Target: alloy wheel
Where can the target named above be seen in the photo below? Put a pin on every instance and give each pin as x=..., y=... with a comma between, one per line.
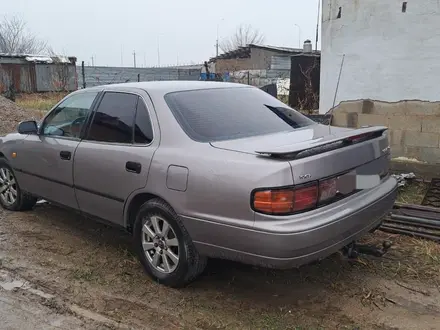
x=160, y=244
x=8, y=186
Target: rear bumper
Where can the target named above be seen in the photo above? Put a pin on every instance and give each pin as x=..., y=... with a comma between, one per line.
x=277, y=242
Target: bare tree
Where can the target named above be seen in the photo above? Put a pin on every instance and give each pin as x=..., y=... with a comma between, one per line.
x=244, y=35
x=310, y=101
x=14, y=38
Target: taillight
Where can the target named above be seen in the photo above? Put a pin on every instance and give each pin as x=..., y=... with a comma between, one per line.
x=327, y=189
x=305, y=198
x=302, y=198
x=360, y=137
x=285, y=201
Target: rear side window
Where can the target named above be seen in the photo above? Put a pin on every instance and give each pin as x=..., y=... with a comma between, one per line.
x=114, y=118
x=143, y=131
x=230, y=113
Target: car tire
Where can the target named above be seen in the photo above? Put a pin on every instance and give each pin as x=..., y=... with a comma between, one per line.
x=22, y=201
x=190, y=264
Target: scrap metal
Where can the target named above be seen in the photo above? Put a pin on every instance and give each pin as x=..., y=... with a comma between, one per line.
x=432, y=196
x=413, y=220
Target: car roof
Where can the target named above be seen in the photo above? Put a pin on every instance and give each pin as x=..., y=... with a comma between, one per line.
x=165, y=87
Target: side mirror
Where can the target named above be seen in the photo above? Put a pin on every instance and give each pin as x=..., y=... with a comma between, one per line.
x=28, y=127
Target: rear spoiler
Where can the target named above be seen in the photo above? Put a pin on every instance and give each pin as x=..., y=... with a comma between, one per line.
x=346, y=138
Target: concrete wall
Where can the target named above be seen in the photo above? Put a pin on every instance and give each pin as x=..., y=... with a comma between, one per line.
x=389, y=55
x=260, y=59
x=414, y=126
x=102, y=75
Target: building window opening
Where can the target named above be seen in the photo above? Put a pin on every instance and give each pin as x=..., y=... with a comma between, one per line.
x=339, y=13
x=404, y=4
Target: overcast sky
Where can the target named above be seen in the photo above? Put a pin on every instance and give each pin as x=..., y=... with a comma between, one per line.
x=184, y=29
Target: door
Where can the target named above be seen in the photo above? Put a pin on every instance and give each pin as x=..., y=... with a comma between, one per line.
x=44, y=162
x=114, y=159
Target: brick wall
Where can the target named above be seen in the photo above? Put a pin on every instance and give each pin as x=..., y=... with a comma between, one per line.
x=231, y=65
x=414, y=126
x=260, y=59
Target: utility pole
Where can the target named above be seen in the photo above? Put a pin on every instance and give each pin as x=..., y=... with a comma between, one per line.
x=134, y=58
x=158, y=52
x=93, y=61
x=216, y=44
x=122, y=57
x=317, y=26
x=83, y=73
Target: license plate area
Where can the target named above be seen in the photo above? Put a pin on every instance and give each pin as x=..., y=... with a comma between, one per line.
x=346, y=183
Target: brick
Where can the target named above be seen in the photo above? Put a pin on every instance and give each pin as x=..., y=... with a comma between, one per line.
x=373, y=120
x=339, y=119
x=413, y=152
x=422, y=108
x=408, y=123
x=353, y=120
x=397, y=151
x=419, y=139
x=430, y=155
x=385, y=108
x=395, y=137
x=431, y=124
x=349, y=106
x=368, y=107
x=424, y=154
x=345, y=120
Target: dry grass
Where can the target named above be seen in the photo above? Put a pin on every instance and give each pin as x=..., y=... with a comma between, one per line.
x=410, y=259
x=413, y=192
x=42, y=102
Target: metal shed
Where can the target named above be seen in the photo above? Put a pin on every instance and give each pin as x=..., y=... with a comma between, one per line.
x=37, y=73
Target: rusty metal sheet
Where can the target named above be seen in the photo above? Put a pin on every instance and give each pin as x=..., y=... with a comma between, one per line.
x=55, y=77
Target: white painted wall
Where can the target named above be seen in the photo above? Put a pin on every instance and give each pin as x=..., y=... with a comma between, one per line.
x=389, y=55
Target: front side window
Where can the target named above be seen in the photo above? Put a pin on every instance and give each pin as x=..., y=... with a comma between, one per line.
x=209, y=115
x=69, y=117
x=114, y=118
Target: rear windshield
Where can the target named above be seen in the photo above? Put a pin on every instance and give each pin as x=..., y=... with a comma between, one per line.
x=209, y=115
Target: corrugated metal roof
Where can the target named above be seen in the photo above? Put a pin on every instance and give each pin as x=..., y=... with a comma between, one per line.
x=284, y=49
x=279, y=49
x=244, y=52
x=39, y=58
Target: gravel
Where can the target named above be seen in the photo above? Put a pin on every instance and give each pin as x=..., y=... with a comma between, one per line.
x=11, y=115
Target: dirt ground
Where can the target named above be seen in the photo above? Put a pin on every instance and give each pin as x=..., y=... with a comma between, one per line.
x=11, y=114
x=86, y=274
x=61, y=271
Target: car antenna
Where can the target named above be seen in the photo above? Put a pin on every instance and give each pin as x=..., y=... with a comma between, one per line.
x=336, y=94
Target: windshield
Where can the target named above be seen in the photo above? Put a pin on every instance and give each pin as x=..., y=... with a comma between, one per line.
x=209, y=115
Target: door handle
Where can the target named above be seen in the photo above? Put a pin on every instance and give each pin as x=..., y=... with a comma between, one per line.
x=65, y=155
x=133, y=167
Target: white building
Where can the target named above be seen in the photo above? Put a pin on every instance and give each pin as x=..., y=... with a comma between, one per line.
x=391, y=47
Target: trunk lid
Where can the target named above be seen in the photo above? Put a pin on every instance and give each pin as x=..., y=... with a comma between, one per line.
x=317, y=151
